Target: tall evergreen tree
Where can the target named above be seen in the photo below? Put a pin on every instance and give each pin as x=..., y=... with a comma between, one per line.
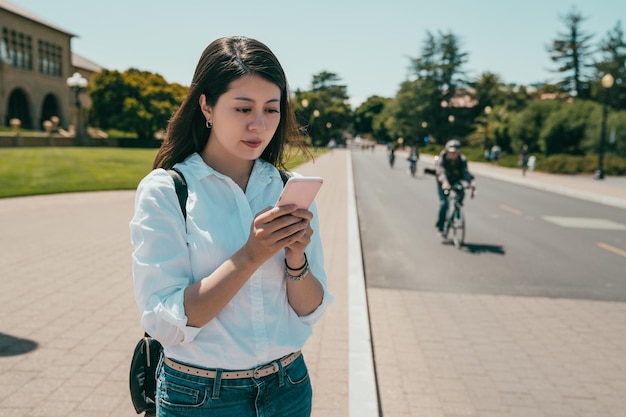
x=329, y=83
x=571, y=50
x=439, y=73
x=452, y=60
x=327, y=112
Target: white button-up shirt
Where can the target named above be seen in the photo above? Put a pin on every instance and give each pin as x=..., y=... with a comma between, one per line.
x=258, y=325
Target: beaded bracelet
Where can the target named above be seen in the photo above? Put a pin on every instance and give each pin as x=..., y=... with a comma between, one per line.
x=301, y=275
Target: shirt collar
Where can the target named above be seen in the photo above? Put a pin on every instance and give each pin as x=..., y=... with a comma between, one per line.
x=262, y=172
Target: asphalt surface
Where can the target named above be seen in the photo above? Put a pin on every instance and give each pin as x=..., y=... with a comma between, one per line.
x=519, y=240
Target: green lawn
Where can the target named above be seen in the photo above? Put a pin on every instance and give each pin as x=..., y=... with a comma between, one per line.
x=50, y=170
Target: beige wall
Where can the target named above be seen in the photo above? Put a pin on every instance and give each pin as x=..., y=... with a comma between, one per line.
x=35, y=84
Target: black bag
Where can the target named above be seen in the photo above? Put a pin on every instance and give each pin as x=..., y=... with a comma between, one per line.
x=143, y=374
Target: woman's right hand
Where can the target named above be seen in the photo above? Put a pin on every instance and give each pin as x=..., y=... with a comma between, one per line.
x=272, y=229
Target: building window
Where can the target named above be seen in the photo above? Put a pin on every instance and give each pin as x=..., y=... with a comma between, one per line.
x=17, y=49
x=50, y=59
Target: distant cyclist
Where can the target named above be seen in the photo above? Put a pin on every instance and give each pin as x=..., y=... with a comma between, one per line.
x=414, y=156
x=391, y=155
x=450, y=169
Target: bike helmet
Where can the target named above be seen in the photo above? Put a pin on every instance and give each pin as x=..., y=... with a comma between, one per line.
x=453, y=145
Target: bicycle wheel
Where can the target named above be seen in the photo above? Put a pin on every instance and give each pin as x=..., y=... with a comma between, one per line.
x=447, y=223
x=458, y=228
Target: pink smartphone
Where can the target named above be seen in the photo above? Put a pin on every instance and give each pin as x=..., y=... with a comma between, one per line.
x=300, y=191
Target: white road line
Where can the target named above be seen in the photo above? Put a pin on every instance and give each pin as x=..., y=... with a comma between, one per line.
x=585, y=223
x=363, y=397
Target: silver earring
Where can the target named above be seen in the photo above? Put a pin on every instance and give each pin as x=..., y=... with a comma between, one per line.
x=208, y=124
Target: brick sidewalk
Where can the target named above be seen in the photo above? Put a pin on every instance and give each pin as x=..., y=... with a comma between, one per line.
x=69, y=321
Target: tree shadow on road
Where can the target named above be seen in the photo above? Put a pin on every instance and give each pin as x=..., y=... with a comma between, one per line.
x=478, y=248
x=12, y=346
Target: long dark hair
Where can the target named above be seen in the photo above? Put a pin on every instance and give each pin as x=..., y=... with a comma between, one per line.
x=223, y=61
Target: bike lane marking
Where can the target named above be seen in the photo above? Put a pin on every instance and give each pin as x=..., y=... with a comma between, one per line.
x=510, y=209
x=611, y=248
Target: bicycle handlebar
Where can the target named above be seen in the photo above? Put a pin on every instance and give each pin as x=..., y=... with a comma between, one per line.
x=458, y=187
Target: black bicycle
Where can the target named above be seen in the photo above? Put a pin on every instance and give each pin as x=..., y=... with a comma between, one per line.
x=454, y=222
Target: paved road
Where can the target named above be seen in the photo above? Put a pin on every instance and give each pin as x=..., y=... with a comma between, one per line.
x=520, y=240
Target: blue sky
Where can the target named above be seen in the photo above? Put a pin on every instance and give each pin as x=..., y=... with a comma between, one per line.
x=367, y=43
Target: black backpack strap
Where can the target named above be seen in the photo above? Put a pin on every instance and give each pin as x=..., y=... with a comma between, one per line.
x=181, y=189
x=284, y=175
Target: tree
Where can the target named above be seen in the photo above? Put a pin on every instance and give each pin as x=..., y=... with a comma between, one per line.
x=408, y=111
x=422, y=106
x=613, y=61
x=571, y=51
x=366, y=114
x=564, y=129
x=324, y=110
x=452, y=61
x=133, y=101
x=526, y=126
x=487, y=90
x=441, y=62
x=329, y=84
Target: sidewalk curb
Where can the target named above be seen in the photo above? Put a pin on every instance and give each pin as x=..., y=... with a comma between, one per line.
x=581, y=195
x=363, y=393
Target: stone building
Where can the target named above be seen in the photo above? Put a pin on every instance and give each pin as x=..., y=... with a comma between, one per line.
x=35, y=61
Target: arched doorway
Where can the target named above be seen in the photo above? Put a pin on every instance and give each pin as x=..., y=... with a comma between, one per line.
x=18, y=108
x=50, y=108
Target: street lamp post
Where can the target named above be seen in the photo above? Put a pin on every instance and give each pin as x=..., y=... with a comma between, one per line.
x=78, y=83
x=485, y=141
x=315, y=133
x=607, y=83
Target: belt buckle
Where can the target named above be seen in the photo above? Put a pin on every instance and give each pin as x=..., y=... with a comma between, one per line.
x=257, y=372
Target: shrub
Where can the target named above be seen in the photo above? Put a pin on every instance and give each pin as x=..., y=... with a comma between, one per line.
x=570, y=164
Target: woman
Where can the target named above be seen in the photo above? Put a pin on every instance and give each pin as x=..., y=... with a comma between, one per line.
x=237, y=286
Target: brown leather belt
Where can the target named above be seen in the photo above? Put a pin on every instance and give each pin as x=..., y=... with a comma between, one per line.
x=252, y=373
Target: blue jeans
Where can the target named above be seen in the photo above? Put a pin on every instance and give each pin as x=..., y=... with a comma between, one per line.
x=286, y=393
x=443, y=204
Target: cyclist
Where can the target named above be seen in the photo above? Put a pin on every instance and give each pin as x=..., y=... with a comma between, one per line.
x=414, y=156
x=391, y=154
x=450, y=169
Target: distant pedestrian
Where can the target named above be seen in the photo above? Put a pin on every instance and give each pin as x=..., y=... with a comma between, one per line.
x=523, y=159
x=487, y=153
x=495, y=154
x=332, y=144
x=531, y=162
